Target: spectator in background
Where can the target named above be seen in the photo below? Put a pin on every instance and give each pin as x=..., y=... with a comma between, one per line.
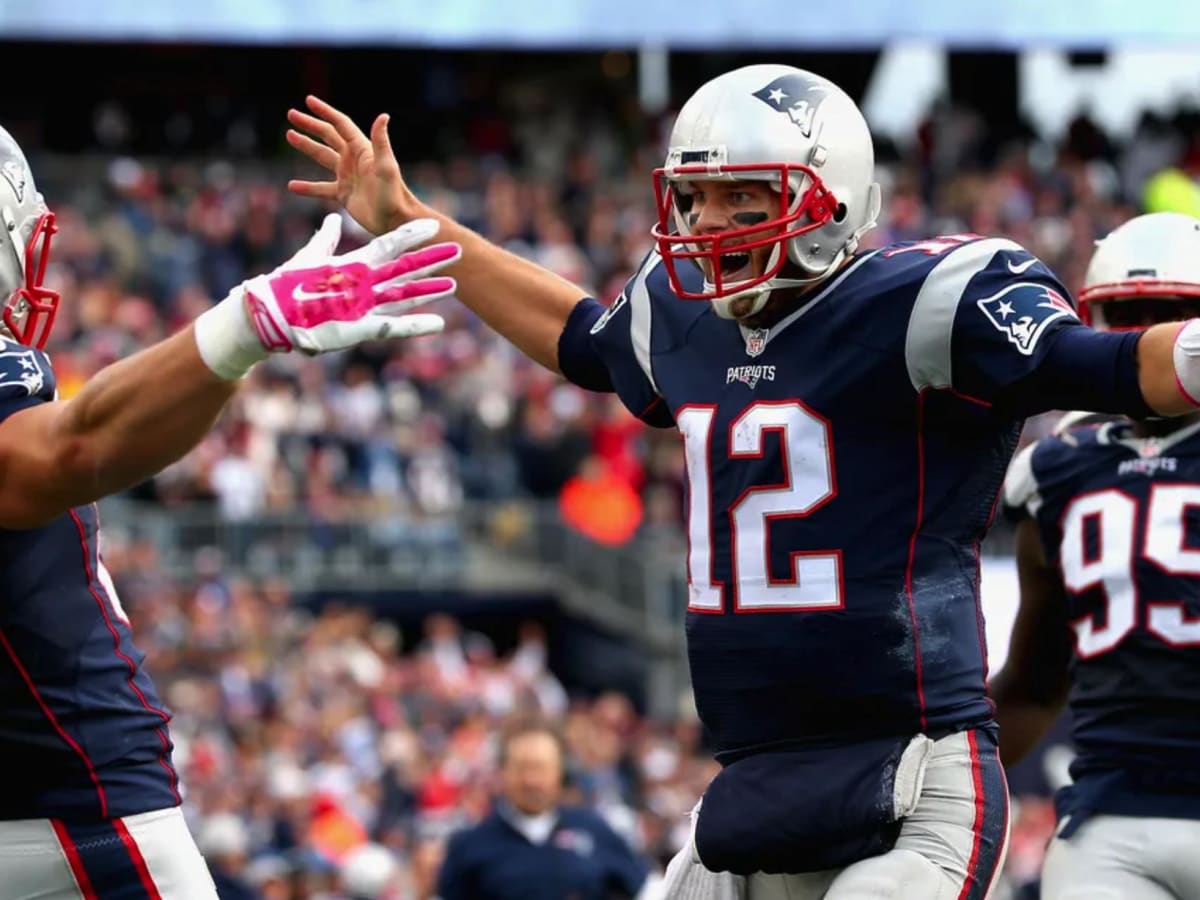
x=531, y=847
x=224, y=843
x=601, y=504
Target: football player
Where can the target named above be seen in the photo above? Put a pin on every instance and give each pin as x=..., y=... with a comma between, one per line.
x=89, y=796
x=1108, y=548
x=847, y=418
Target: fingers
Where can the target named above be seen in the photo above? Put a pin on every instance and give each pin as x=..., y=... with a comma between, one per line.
x=322, y=244
x=381, y=144
x=412, y=294
x=320, y=190
x=409, y=326
x=321, y=129
x=341, y=122
x=418, y=263
x=322, y=154
x=389, y=246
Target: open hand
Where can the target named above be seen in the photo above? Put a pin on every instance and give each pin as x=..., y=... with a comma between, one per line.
x=366, y=177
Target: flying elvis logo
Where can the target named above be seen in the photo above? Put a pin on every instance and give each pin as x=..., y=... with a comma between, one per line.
x=1024, y=311
x=796, y=96
x=21, y=369
x=15, y=176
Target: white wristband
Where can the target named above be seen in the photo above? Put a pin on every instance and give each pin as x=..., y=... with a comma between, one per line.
x=227, y=343
x=1187, y=361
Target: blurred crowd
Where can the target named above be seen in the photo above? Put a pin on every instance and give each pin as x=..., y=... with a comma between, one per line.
x=330, y=755
x=323, y=754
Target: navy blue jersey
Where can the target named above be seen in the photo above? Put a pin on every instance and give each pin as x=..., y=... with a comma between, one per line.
x=843, y=466
x=82, y=732
x=1120, y=517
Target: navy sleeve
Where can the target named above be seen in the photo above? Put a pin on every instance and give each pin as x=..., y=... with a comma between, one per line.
x=26, y=378
x=1081, y=369
x=609, y=349
x=993, y=324
x=578, y=358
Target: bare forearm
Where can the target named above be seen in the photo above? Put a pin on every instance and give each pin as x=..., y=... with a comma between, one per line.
x=1023, y=721
x=142, y=413
x=522, y=301
x=131, y=420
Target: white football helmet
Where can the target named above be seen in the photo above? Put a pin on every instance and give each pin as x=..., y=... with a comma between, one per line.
x=28, y=307
x=1155, y=259
x=787, y=127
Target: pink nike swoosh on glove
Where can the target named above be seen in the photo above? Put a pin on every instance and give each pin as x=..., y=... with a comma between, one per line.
x=308, y=298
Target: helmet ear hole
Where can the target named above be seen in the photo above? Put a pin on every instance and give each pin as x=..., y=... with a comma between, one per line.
x=839, y=214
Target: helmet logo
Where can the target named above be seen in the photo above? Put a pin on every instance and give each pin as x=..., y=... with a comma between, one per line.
x=796, y=96
x=15, y=176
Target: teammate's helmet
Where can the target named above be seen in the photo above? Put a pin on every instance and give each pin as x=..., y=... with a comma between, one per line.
x=28, y=307
x=798, y=132
x=1145, y=271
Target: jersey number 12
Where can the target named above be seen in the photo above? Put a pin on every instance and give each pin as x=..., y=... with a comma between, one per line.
x=809, y=482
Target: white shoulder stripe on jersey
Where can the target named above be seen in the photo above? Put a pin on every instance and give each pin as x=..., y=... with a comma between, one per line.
x=639, y=317
x=931, y=324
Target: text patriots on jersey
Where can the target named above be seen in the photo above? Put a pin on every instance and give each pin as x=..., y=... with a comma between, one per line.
x=1147, y=465
x=749, y=375
x=1023, y=311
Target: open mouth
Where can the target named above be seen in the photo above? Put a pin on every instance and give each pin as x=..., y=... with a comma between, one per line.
x=735, y=266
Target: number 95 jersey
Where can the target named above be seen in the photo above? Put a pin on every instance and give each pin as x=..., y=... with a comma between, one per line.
x=842, y=467
x=1120, y=516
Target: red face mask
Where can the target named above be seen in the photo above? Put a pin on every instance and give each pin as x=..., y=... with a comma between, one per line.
x=30, y=310
x=815, y=208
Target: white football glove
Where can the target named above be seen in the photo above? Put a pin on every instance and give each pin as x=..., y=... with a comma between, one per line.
x=317, y=302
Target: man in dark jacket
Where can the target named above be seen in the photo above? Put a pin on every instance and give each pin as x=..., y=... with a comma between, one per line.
x=530, y=847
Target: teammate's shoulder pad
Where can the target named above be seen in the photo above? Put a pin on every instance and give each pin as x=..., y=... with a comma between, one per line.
x=1077, y=423
x=1020, y=482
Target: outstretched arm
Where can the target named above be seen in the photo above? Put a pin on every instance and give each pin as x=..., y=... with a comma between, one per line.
x=132, y=419
x=138, y=415
x=527, y=304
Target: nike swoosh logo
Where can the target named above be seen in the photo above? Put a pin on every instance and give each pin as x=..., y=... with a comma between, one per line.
x=302, y=294
x=1020, y=268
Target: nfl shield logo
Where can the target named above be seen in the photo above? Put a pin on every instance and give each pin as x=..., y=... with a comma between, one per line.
x=756, y=341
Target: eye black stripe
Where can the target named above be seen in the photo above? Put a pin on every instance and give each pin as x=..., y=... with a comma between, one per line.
x=746, y=219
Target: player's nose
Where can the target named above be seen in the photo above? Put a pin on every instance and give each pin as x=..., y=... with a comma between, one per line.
x=710, y=219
